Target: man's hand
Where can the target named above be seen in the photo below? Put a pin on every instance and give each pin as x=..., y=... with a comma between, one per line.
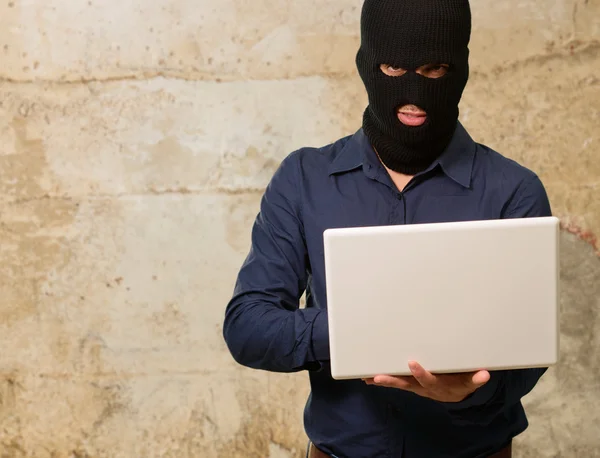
x=442, y=388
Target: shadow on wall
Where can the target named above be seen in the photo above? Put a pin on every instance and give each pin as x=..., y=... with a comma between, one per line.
x=564, y=409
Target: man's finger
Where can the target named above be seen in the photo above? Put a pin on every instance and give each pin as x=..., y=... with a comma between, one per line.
x=480, y=378
x=402, y=383
x=425, y=379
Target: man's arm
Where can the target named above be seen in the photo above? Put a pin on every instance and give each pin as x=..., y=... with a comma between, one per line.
x=506, y=388
x=264, y=327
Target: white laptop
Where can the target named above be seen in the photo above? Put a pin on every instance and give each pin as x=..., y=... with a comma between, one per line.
x=455, y=297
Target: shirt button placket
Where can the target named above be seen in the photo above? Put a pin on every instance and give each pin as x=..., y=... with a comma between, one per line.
x=402, y=198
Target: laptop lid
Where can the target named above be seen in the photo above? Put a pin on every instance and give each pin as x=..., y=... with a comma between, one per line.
x=454, y=297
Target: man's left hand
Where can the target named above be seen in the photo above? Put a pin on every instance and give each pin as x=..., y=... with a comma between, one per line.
x=442, y=387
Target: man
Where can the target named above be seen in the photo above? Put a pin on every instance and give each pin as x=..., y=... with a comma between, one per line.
x=411, y=162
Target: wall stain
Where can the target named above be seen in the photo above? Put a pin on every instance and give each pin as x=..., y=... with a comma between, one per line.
x=570, y=387
x=31, y=243
x=263, y=425
x=111, y=398
x=585, y=235
x=89, y=357
x=27, y=166
x=11, y=445
x=9, y=386
x=30, y=250
x=242, y=172
x=580, y=313
x=169, y=321
x=170, y=161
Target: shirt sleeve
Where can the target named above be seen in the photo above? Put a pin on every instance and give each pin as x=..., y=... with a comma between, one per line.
x=505, y=389
x=264, y=327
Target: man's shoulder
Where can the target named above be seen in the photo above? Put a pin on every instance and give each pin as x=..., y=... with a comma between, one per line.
x=491, y=164
x=518, y=188
x=305, y=166
x=315, y=159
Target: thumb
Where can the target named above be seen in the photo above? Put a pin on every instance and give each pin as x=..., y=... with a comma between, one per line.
x=480, y=378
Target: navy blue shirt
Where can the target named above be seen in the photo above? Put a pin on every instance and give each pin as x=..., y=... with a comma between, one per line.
x=344, y=185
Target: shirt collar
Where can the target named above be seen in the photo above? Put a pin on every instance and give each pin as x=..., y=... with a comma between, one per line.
x=456, y=161
x=351, y=156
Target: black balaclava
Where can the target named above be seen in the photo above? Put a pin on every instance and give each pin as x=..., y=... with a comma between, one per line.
x=408, y=34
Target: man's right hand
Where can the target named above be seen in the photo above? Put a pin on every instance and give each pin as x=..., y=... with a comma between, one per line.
x=442, y=387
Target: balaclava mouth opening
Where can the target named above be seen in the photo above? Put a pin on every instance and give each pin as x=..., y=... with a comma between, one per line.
x=408, y=34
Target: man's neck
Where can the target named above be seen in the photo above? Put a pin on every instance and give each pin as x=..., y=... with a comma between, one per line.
x=399, y=179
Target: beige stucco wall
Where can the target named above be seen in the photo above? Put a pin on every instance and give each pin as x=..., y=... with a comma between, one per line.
x=135, y=140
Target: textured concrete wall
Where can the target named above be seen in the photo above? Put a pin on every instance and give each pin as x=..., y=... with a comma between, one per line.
x=135, y=140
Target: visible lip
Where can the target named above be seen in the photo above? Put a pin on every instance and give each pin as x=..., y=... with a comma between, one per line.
x=412, y=118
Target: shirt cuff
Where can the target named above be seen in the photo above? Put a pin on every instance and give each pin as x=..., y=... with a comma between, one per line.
x=320, y=337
